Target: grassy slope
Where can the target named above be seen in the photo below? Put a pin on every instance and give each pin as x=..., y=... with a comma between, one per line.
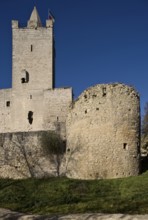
x=62, y=195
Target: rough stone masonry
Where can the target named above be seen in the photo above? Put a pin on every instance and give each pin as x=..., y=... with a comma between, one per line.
x=103, y=133
x=102, y=127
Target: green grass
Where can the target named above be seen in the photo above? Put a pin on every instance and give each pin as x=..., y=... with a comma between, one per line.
x=62, y=195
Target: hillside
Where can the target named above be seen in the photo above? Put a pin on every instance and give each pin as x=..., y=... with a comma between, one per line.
x=64, y=196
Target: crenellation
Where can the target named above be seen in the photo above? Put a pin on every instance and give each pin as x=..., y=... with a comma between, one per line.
x=15, y=24
x=49, y=23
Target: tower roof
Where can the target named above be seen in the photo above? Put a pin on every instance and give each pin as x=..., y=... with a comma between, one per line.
x=34, y=20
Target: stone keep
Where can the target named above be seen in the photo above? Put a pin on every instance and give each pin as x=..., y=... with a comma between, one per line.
x=103, y=133
x=32, y=104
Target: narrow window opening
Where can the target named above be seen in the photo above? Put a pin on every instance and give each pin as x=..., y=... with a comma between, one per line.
x=104, y=91
x=30, y=117
x=68, y=150
x=125, y=146
x=30, y=96
x=86, y=111
x=8, y=103
x=25, y=79
x=97, y=109
x=31, y=48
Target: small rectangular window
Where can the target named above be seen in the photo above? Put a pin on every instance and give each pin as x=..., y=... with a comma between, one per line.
x=8, y=103
x=125, y=146
x=23, y=80
x=104, y=91
x=31, y=47
x=30, y=96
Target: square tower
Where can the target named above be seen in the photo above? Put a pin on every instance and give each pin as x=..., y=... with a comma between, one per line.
x=32, y=55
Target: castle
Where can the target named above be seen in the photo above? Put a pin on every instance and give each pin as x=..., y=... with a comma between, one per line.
x=102, y=128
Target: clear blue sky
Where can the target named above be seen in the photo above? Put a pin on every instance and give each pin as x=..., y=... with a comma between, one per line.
x=97, y=41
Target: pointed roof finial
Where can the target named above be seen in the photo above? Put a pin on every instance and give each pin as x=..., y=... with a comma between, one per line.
x=34, y=20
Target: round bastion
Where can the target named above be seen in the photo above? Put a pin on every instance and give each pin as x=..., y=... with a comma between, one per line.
x=103, y=133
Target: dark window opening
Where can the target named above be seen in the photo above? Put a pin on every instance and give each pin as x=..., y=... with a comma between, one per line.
x=26, y=78
x=57, y=118
x=68, y=150
x=31, y=47
x=104, y=91
x=8, y=103
x=97, y=109
x=23, y=80
x=30, y=117
x=30, y=96
x=85, y=96
x=125, y=146
x=85, y=111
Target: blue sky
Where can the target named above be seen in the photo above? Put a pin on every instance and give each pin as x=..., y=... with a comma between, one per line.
x=97, y=41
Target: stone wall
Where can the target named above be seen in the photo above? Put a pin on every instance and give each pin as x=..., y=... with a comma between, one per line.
x=22, y=156
x=103, y=133
x=46, y=108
